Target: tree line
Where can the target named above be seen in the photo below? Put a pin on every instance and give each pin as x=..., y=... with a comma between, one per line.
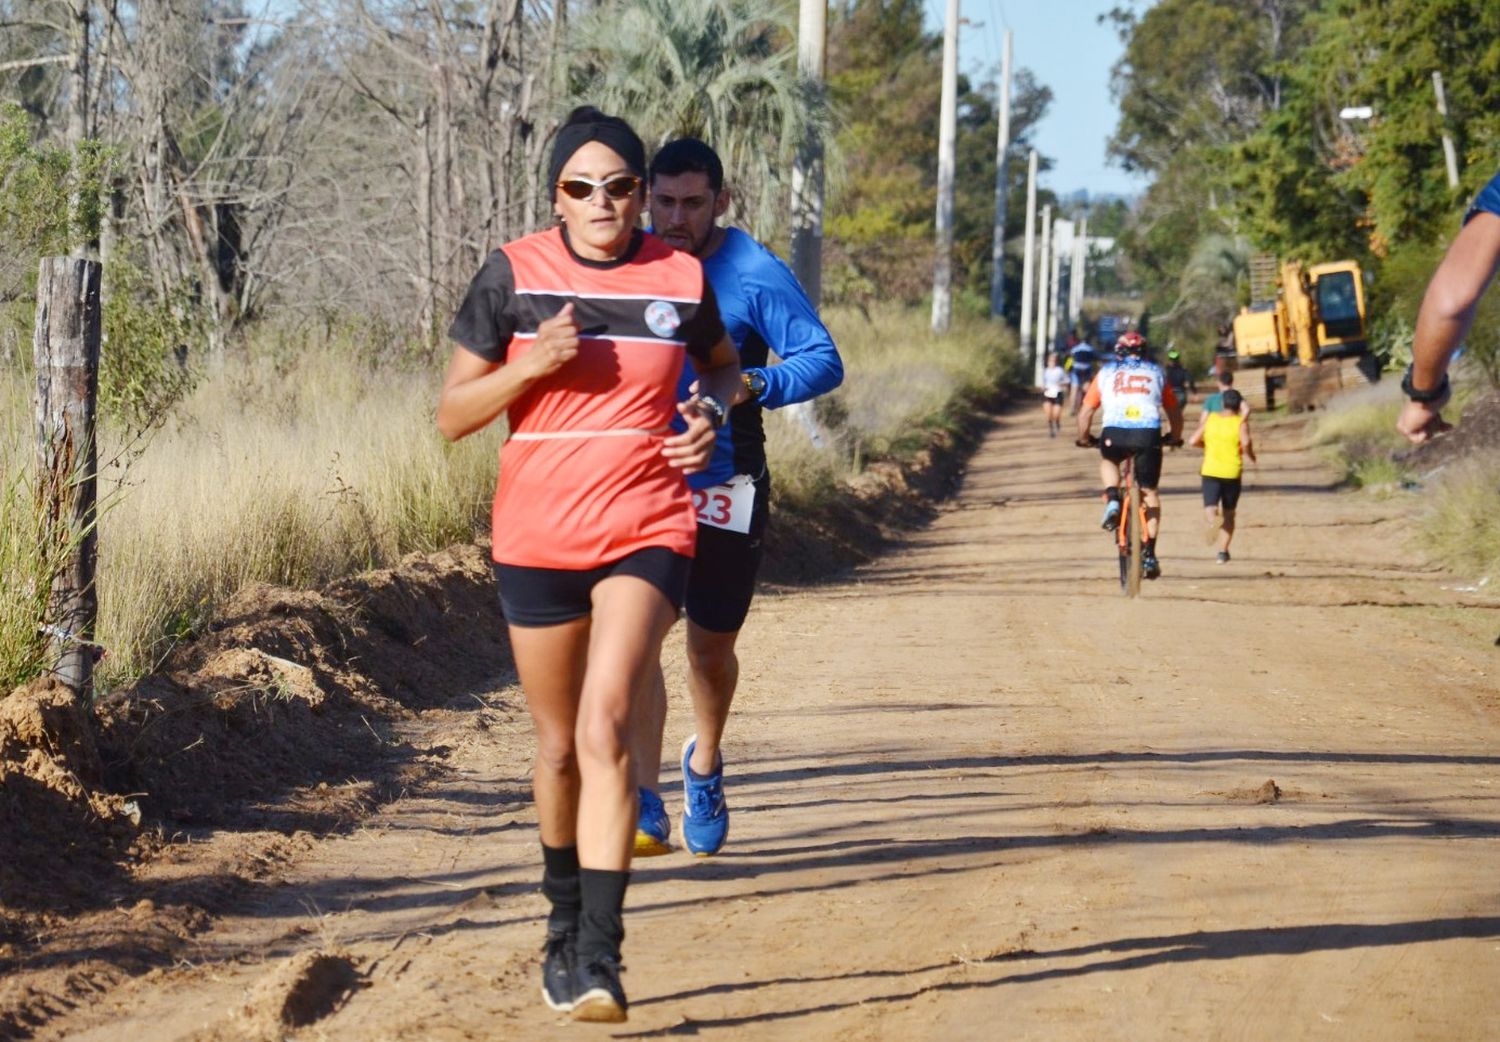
x=1246, y=115
x=346, y=164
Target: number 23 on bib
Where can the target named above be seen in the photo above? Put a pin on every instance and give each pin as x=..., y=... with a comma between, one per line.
x=727, y=506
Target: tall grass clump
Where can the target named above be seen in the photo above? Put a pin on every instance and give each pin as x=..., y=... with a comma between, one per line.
x=278, y=468
x=901, y=382
x=1461, y=529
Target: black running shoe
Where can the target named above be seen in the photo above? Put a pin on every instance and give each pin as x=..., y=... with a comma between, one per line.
x=559, y=978
x=598, y=994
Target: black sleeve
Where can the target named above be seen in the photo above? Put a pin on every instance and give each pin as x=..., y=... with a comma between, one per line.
x=486, y=319
x=705, y=328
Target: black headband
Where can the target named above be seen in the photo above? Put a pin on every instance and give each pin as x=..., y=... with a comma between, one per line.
x=607, y=130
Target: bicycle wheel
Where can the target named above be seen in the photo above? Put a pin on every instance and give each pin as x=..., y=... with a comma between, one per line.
x=1130, y=561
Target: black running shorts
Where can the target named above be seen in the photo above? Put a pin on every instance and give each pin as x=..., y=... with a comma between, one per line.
x=1117, y=443
x=1223, y=492
x=549, y=596
x=722, y=579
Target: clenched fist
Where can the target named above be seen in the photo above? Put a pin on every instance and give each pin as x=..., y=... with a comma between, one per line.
x=556, y=343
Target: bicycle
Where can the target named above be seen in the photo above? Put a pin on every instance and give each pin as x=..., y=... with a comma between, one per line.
x=1130, y=532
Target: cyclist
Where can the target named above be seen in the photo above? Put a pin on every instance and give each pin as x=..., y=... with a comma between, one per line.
x=764, y=311
x=1224, y=437
x=1178, y=377
x=579, y=334
x=1132, y=393
x=1054, y=384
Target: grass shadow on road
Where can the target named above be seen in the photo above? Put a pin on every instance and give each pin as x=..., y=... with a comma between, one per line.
x=1140, y=953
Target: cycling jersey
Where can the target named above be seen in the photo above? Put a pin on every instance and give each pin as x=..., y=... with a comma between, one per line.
x=764, y=310
x=582, y=479
x=1130, y=393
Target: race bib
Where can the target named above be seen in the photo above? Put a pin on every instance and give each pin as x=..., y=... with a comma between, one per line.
x=727, y=506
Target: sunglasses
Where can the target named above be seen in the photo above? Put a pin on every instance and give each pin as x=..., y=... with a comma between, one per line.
x=621, y=186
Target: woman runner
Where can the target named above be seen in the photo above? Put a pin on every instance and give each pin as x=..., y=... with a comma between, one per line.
x=578, y=335
x=1054, y=385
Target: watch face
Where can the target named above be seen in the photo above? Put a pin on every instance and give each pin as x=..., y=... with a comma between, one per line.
x=755, y=383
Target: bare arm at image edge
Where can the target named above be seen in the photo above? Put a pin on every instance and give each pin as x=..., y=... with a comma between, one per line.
x=1447, y=312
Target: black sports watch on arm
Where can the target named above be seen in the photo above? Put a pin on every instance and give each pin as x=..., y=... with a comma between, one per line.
x=755, y=383
x=1424, y=396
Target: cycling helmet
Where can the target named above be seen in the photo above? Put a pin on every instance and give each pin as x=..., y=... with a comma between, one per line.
x=1131, y=343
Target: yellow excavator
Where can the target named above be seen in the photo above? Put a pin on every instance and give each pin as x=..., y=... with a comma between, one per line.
x=1300, y=315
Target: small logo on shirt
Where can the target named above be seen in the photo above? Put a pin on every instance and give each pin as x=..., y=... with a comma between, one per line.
x=662, y=318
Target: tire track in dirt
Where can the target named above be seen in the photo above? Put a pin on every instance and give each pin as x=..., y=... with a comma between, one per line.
x=976, y=794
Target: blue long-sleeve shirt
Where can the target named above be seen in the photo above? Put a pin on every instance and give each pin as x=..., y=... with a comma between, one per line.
x=764, y=311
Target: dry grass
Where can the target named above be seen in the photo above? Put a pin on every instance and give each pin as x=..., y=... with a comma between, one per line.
x=1461, y=530
x=296, y=468
x=900, y=382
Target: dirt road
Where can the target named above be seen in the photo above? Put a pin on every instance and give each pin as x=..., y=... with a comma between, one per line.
x=976, y=795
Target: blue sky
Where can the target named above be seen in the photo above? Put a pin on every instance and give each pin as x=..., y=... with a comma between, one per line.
x=1061, y=42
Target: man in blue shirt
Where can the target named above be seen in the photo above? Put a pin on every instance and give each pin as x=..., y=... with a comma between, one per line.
x=764, y=311
x=1447, y=313
x=1081, y=357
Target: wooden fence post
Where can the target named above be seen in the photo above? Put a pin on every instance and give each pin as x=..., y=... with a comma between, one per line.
x=65, y=347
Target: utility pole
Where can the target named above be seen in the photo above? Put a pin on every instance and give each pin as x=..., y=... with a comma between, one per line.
x=1079, y=268
x=807, y=170
x=1056, y=300
x=1449, y=156
x=1002, y=145
x=942, y=269
x=1028, y=262
x=1044, y=268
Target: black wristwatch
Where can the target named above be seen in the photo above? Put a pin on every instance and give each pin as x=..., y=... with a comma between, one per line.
x=1425, y=397
x=713, y=409
x=755, y=383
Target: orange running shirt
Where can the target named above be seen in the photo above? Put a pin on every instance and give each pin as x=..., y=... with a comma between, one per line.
x=587, y=500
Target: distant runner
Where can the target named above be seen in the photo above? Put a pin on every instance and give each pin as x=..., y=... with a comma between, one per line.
x=1081, y=362
x=1224, y=436
x=1054, y=387
x=765, y=311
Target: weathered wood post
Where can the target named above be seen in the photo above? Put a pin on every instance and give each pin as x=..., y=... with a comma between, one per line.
x=65, y=347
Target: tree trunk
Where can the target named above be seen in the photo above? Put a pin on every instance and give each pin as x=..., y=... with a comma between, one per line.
x=65, y=349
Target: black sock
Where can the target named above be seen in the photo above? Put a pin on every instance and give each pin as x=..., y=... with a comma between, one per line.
x=601, y=929
x=560, y=885
x=1112, y=493
x=1149, y=547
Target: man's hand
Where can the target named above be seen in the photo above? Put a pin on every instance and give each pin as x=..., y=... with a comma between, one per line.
x=691, y=450
x=1422, y=421
x=556, y=344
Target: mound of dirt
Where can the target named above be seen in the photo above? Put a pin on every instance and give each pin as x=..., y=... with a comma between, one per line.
x=294, y=688
x=62, y=833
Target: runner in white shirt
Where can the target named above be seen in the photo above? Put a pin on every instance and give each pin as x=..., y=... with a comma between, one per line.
x=1054, y=386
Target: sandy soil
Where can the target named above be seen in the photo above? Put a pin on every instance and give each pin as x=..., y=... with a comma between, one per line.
x=976, y=794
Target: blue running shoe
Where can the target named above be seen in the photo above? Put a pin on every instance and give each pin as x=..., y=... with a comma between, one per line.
x=652, y=826
x=1111, y=519
x=705, y=815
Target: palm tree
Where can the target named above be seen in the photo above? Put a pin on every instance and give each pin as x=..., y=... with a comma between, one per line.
x=721, y=70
